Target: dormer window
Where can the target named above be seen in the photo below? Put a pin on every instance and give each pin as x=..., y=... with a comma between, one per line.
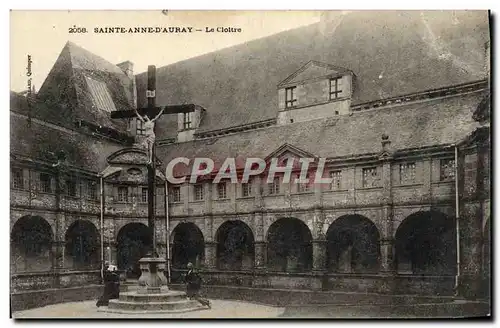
x=335, y=88
x=188, y=120
x=290, y=97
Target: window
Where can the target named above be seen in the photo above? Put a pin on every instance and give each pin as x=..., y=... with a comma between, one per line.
x=45, y=182
x=71, y=187
x=221, y=190
x=140, y=130
x=100, y=95
x=188, y=120
x=91, y=189
x=175, y=194
x=123, y=194
x=290, y=97
x=335, y=88
x=370, y=178
x=144, y=195
x=274, y=187
x=17, y=179
x=336, y=177
x=407, y=173
x=304, y=187
x=447, y=169
x=198, y=192
x=246, y=189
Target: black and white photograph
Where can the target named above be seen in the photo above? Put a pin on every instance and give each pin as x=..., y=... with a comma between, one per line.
x=170, y=164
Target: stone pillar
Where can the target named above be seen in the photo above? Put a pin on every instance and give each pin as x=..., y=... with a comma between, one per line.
x=470, y=249
x=319, y=255
x=260, y=255
x=210, y=255
x=260, y=242
x=387, y=252
x=469, y=168
x=387, y=264
x=58, y=248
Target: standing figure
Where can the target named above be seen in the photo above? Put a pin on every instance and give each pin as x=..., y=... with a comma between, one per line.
x=149, y=132
x=111, y=285
x=193, y=285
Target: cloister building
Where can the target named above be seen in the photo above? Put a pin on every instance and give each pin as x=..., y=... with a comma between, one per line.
x=396, y=102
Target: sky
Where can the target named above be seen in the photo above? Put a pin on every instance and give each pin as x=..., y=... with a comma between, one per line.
x=43, y=34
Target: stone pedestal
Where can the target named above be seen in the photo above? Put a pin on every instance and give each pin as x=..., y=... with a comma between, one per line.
x=152, y=295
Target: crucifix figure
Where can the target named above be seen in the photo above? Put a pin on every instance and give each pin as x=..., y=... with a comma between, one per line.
x=144, y=114
x=149, y=132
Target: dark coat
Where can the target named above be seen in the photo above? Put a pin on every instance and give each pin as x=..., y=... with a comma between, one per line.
x=193, y=283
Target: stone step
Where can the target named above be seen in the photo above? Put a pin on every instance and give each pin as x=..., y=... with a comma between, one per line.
x=170, y=296
x=119, y=305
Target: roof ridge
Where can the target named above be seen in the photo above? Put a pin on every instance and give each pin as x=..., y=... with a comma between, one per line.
x=234, y=46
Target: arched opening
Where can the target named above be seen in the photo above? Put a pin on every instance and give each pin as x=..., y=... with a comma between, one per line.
x=31, y=245
x=353, y=245
x=134, y=242
x=82, y=246
x=235, y=246
x=426, y=244
x=188, y=245
x=289, y=246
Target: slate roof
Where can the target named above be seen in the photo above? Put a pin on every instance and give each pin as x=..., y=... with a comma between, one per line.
x=39, y=141
x=69, y=96
x=391, y=53
x=423, y=124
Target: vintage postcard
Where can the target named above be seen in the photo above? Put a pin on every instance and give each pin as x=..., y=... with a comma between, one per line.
x=250, y=164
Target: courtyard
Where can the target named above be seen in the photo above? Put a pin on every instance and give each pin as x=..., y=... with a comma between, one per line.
x=87, y=309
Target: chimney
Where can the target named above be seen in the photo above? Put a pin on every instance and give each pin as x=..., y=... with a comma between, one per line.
x=127, y=67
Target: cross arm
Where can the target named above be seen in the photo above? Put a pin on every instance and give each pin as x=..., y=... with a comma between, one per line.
x=153, y=111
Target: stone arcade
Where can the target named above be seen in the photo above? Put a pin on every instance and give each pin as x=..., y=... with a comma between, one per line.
x=404, y=130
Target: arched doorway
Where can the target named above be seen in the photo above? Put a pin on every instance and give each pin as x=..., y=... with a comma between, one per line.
x=82, y=246
x=235, y=246
x=188, y=245
x=31, y=245
x=134, y=242
x=353, y=245
x=426, y=244
x=289, y=246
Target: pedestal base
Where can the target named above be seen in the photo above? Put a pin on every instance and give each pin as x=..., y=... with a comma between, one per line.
x=164, y=302
x=152, y=295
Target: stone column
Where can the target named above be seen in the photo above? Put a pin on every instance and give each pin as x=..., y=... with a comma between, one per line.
x=260, y=255
x=387, y=252
x=210, y=255
x=58, y=248
x=260, y=242
x=387, y=265
x=319, y=255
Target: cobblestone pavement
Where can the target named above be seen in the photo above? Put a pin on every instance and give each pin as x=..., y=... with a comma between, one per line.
x=87, y=309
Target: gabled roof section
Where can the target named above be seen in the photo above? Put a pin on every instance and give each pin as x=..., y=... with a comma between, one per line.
x=38, y=141
x=418, y=125
x=84, y=86
x=287, y=148
x=392, y=53
x=312, y=70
